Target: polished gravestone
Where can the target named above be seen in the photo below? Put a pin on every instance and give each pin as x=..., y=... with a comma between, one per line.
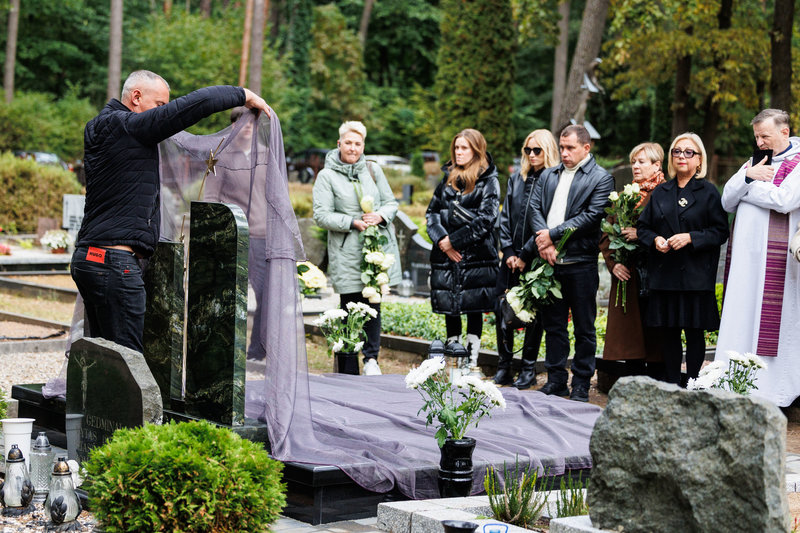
x=111, y=387
x=415, y=253
x=216, y=325
x=163, y=319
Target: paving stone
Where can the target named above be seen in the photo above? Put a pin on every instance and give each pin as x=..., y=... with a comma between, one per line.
x=431, y=521
x=395, y=517
x=574, y=524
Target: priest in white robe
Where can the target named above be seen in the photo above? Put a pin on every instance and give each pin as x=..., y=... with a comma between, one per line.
x=761, y=309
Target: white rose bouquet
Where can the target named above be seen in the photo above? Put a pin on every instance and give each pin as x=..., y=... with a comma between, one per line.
x=738, y=377
x=537, y=287
x=344, y=329
x=310, y=278
x=375, y=262
x=625, y=210
x=455, y=406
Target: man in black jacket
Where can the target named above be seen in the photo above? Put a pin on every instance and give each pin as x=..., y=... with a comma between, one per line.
x=573, y=194
x=121, y=220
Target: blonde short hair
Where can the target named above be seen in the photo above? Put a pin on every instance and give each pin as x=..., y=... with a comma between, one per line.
x=701, y=173
x=547, y=143
x=652, y=151
x=354, y=126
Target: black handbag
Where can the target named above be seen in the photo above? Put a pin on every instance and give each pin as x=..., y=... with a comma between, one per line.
x=508, y=317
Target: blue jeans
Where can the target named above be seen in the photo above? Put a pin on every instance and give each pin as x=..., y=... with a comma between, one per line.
x=113, y=292
x=579, y=283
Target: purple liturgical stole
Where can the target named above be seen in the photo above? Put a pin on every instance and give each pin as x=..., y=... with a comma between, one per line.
x=777, y=246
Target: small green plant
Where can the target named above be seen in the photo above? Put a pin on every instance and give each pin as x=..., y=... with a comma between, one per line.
x=3, y=404
x=191, y=476
x=571, y=497
x=516, y=502
x=25, y=244
x=417, y=164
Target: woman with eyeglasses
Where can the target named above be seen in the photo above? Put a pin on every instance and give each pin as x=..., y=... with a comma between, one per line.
x=461, y=218
x=538, y=152
x=626, y=339
x=683, y=227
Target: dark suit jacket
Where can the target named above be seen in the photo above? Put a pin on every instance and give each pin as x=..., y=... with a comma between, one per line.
x=694, y=267
x=586, y=203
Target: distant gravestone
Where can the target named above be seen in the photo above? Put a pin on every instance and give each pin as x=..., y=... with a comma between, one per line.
x=72, y=213
x=667, y=459
x=216, y=330
x=163, y=319
x=112, y=387
x=415, y=253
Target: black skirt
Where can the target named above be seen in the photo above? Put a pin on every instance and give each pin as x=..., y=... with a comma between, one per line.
x=682, y=309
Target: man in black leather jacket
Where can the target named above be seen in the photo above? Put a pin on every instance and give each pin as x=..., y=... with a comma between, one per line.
x=573, y=194
x=121, y=221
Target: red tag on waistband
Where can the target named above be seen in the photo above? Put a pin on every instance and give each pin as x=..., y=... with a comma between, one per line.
x=98, y=255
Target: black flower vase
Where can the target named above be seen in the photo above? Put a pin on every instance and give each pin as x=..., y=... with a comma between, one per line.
x=346, y=362
x=455, y=467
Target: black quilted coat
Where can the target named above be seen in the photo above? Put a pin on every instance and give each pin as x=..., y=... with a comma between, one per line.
x=121, y=162
x=469, y=219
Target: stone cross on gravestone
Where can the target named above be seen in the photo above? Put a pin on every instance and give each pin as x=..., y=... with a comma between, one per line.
x=216, y=330
x=111, y=387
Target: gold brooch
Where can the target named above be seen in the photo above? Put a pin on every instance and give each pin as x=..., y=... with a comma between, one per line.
x=683, y=202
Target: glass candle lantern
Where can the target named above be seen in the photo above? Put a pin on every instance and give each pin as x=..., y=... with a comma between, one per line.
x=41, y=466
x=17, y=486
x=406, y=287
x=62, y=504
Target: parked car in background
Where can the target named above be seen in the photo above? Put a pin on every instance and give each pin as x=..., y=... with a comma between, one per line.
x=304, y=166
x=43, y=158
x=391, y=162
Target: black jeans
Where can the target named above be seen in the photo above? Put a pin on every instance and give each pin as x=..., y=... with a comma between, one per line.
x=673, y=353
x=579, y=283
x=113, y=293
x=373, y=326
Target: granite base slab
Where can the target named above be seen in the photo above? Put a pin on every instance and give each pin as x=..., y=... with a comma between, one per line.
x=575, y=524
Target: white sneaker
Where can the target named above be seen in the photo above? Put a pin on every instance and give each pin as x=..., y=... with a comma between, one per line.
x=371, y=368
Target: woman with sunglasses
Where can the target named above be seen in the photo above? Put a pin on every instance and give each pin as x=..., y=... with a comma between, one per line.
x=539, y=151
x=626, y=339
x=461, y=218
x=683, y=228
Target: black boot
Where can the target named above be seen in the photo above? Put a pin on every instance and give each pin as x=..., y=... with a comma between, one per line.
x=528, y=375
x=504, y=375
x=505, y=338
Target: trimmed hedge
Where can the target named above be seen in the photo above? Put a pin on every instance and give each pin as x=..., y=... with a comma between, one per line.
x=191, y=476
x=31, y=190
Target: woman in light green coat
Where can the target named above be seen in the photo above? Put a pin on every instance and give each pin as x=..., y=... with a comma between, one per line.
x=346, y=179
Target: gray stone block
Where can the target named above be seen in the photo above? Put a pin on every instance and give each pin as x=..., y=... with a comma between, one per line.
x=12, y=408
x=574, y=524
x=431, y=521
x=667, y=459
x=395, y=517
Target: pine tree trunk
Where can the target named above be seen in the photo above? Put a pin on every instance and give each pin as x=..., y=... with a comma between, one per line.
x=364, y=26
x=114, y=50
x=205, y=8
x=680, y=105
x=248, y=25
x=780, y=85
x=711, y=120
x=257, y=44
x=591, y=34
x=560, y=63
x=11, y=50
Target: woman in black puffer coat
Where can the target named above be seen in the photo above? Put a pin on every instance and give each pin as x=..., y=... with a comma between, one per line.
x=461, y=219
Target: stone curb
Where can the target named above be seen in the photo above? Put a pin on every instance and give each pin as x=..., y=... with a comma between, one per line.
x=575, y=524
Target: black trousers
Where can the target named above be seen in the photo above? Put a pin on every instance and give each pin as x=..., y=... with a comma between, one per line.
x=579, y=283
x=111, y=285
x=372, y=328
x=452, y=324
x=673, y=353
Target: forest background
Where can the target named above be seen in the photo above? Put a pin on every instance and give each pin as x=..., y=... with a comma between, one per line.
x=415, y=71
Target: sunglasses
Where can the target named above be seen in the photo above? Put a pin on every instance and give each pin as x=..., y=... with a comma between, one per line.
x=536, y=151
x=688, y=153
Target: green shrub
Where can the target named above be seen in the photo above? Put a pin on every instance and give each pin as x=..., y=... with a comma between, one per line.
x=571, y=497
x=190, y=476
x=302, y=206
x=31, y=191
x=418, y=164
x=3, y=404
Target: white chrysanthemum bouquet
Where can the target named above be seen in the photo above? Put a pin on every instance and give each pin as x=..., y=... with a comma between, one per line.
x=375, y=262
x=344, y=329
x=455, y=406
x=739, y=376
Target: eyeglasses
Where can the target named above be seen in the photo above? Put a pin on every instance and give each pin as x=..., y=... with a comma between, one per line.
x=688, y=153
x=528, y=150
